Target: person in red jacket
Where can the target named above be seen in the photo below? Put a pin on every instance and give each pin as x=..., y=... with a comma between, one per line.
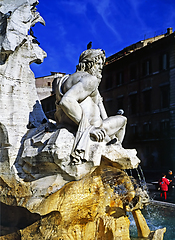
x=163, y=183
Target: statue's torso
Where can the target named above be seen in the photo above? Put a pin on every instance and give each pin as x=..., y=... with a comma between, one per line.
x=90, y=103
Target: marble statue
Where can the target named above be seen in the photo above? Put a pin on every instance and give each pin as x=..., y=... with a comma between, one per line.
x=18, y=50
x=83, y=134
x=79, y=103
x=16, y=19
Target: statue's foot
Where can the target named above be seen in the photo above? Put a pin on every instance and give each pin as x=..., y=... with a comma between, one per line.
x=75, y=161
x=83, y=160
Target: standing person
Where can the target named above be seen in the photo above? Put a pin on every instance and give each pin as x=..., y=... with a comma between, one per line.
x=171, y=180
x=163, y=183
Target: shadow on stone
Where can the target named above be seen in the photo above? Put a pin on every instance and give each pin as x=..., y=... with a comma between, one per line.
x=15, y=218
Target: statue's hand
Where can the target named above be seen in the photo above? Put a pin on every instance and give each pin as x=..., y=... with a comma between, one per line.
x=98, y=134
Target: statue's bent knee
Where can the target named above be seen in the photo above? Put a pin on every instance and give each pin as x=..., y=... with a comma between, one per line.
x=65, y=102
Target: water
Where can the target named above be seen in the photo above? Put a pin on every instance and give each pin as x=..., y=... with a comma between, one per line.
x=156, y=217
x=138, y=175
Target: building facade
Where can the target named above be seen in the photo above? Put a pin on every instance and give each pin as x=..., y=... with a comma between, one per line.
x=46, y=92
x=140, y=79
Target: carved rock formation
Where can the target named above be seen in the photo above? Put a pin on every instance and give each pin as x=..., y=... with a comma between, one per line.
x=17, y=82
x=91, y=208
x=47, y=151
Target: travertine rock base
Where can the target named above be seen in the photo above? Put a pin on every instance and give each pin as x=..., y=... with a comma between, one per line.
x=86, y=209
x=142, y=227
x=93, y=208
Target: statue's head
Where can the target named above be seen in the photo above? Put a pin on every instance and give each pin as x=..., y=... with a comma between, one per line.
x=16, y=19
x=92, y=61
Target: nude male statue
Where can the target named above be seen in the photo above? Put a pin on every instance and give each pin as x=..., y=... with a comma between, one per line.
x=78, y=101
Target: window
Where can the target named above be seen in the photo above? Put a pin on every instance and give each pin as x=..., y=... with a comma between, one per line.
x=147, y=129
x=146, y=68
x=108, y=82
x=164, y=62
x=120, y=102
x=165, y=96
x=164, y=127
x=119, y=78
x=134, y=129
x=147, y=101
x=133, y=72
x=49, y=84
x=133, y=103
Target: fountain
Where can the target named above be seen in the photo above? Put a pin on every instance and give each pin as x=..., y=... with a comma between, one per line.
x=69, y=179
x=157, y=215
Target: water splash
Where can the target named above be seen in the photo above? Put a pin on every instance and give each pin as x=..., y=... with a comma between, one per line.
x=157, y=217
x=130, y=172
x=143, y=181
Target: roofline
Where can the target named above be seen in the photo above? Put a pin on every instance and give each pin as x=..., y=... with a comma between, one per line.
x=52, y=74
x=128, y=50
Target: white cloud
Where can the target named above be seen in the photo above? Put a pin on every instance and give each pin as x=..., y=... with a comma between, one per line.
x=104, y=9
x=75, y=6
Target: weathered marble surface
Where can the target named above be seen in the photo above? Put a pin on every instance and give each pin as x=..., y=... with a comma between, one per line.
x=16, y=19
x=47, y=151
x=17, y=82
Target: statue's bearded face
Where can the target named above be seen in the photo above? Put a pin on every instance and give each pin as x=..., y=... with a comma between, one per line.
x=96, y=69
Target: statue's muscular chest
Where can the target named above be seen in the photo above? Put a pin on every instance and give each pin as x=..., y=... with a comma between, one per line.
x=84, y=80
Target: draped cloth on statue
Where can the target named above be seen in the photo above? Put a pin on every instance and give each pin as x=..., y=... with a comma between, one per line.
x=80, y=150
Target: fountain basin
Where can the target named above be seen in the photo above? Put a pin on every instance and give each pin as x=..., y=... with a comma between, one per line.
x=158, y=215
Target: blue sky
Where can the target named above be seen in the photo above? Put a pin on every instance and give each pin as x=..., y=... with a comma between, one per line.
x=109, y=24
